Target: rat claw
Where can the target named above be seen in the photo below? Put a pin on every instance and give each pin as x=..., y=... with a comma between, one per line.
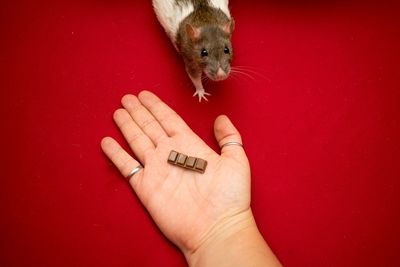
x=203, y=97
x=201, y=94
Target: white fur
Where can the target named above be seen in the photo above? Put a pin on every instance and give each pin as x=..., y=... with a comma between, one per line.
x=222, y=4
x=171, y=14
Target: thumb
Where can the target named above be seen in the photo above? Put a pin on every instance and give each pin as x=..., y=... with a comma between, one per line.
x=226, y=133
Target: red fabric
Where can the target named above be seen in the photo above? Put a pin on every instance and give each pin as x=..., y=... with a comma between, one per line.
x=319, y=119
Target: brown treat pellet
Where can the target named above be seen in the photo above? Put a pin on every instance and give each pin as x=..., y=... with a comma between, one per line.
x=201, y=165
x=181, y=159
x=172, y=156
x=190, y=162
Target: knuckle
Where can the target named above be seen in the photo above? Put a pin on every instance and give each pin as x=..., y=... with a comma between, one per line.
x=134, y=137
x=135, y=109
x=148, y=123
x=155, y=105
x=230, y=136
x=125, y=125
x=169, y=117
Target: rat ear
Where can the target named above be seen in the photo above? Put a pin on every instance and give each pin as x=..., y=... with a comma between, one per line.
x=192, y=32
x=228, y=27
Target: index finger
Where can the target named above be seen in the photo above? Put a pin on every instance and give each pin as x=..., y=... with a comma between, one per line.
x=167, y=117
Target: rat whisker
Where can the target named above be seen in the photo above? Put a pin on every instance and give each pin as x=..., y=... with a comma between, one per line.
x=242, y=72
x=237, y=75
x=250, y=70
x=234, y=77
x=246, y=67
x=240, y=77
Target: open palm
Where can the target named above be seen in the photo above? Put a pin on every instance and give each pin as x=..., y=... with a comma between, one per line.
x=186, y=205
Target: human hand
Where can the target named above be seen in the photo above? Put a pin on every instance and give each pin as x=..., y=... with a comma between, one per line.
x=186, y=205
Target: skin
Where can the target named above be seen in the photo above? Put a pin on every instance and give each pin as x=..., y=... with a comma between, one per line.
x=209, y=29
x=208, y=216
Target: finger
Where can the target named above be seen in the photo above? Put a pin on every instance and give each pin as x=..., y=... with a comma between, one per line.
x=121, y=159
x=171, y=122
x=144, y=119
x=137, y=140
x=225, y=132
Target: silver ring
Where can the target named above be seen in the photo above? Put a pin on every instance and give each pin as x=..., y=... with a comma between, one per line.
x=134, y=171
x=232, y=144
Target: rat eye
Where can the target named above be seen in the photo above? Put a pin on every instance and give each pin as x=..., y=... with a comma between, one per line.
x=204, y=52
x=226, y=50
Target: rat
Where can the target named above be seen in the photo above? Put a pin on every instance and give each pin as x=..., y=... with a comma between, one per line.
x=201, y=32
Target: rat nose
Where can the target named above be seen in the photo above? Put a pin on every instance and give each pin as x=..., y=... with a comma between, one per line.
x=221, y=74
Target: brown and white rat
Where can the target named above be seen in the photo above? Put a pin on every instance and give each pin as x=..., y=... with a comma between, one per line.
x=201, y=32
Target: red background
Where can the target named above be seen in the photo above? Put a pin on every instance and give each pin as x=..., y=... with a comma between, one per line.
x=320, y=122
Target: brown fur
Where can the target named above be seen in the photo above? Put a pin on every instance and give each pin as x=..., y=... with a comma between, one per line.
x=214, y=28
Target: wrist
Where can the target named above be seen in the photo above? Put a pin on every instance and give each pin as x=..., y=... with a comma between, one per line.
x=234, y=241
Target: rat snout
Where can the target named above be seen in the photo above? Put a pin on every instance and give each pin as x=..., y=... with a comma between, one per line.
x=221, y=75
x=217, y=74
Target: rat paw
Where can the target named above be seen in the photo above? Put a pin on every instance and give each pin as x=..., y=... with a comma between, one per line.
x=201, y=94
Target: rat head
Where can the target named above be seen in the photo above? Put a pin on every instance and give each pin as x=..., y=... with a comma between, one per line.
x=212, y=49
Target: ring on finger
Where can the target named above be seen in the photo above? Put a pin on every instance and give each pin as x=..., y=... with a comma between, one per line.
x=134, y=171
x=232, y=144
